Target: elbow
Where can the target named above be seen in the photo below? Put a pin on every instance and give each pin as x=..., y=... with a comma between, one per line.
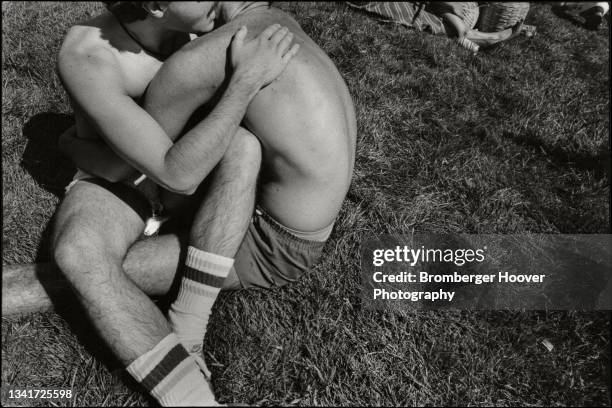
x=183, y=187
x=116, y=176
x=178, y=179
x=184, y=191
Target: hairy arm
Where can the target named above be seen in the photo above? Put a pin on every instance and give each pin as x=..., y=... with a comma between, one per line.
x=95, y=84
x=137, y=138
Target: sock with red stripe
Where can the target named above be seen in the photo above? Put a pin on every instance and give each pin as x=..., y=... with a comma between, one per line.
x=202, y=280
x=172, y=376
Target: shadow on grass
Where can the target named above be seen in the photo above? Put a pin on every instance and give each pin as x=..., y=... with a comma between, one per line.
x=46, y=164
x=598, y=163
x=41, y=158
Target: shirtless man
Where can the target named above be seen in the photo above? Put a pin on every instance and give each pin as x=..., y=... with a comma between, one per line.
x=105, y=71
x=305, y=122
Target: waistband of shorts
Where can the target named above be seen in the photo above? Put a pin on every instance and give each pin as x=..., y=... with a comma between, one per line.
x=290, y=233
x=124, y=191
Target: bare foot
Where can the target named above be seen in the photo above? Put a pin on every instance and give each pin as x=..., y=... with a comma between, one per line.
x=485, y=40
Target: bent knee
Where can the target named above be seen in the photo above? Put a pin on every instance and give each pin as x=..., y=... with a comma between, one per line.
x=75, y=252
x=246, y=143
x=70, y=258
x=244, y=149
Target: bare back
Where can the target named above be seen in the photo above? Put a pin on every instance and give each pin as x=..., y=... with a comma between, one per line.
x=305, y=120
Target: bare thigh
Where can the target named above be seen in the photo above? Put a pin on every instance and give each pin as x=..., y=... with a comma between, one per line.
x=93, y=220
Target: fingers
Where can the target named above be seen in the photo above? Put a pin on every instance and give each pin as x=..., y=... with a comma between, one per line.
x=239, y=37
x=238, y=40
x=267, y=33
x=279, y=35
x=291, y=53
x=285, y=42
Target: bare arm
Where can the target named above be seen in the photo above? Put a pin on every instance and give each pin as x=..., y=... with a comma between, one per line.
x=137, y=138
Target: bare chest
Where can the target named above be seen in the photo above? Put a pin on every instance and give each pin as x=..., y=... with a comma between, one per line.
x=137, y=71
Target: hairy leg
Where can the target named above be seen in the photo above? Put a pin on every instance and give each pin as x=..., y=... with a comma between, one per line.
x=225, y=212
x=219, y=224
x=187, y=80
x=93, y=231
x=216, y=233
x=152, y=264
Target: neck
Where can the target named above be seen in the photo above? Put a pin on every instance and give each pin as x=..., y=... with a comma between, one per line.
x=232, y=9
x=152, y=36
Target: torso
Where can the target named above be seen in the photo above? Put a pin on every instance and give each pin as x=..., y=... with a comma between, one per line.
x=136, y=66
x=104, y=33
x=307, y=125
x=305, y=121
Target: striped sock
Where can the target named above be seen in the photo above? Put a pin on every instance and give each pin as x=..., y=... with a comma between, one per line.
x=171, y=375
x=202, y=280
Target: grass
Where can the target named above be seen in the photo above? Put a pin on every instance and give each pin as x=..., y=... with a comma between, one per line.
x=512, y=140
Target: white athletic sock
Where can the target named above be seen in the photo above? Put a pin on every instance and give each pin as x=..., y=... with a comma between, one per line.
x=172, y=376
x=202, y=280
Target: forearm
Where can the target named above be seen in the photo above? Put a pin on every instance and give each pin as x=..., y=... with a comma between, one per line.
x=141, y=139
x=195, y=154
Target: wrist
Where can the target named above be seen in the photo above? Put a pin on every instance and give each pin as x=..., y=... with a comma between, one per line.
x=245, y=82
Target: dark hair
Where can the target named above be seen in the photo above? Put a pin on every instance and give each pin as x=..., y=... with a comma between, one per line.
x=127, y=11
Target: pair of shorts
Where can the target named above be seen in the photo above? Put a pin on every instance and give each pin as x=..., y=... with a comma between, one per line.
x=144, y=203
x=270, y=255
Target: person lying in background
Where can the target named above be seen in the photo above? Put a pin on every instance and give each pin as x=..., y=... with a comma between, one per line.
x=455, y=19
x=459, y=19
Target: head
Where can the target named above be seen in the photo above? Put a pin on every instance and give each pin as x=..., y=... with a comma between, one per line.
x=184, y=16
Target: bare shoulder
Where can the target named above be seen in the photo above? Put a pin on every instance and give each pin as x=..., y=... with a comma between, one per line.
x=86, y=48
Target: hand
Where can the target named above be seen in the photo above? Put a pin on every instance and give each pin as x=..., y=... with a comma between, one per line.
x=261, y=60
